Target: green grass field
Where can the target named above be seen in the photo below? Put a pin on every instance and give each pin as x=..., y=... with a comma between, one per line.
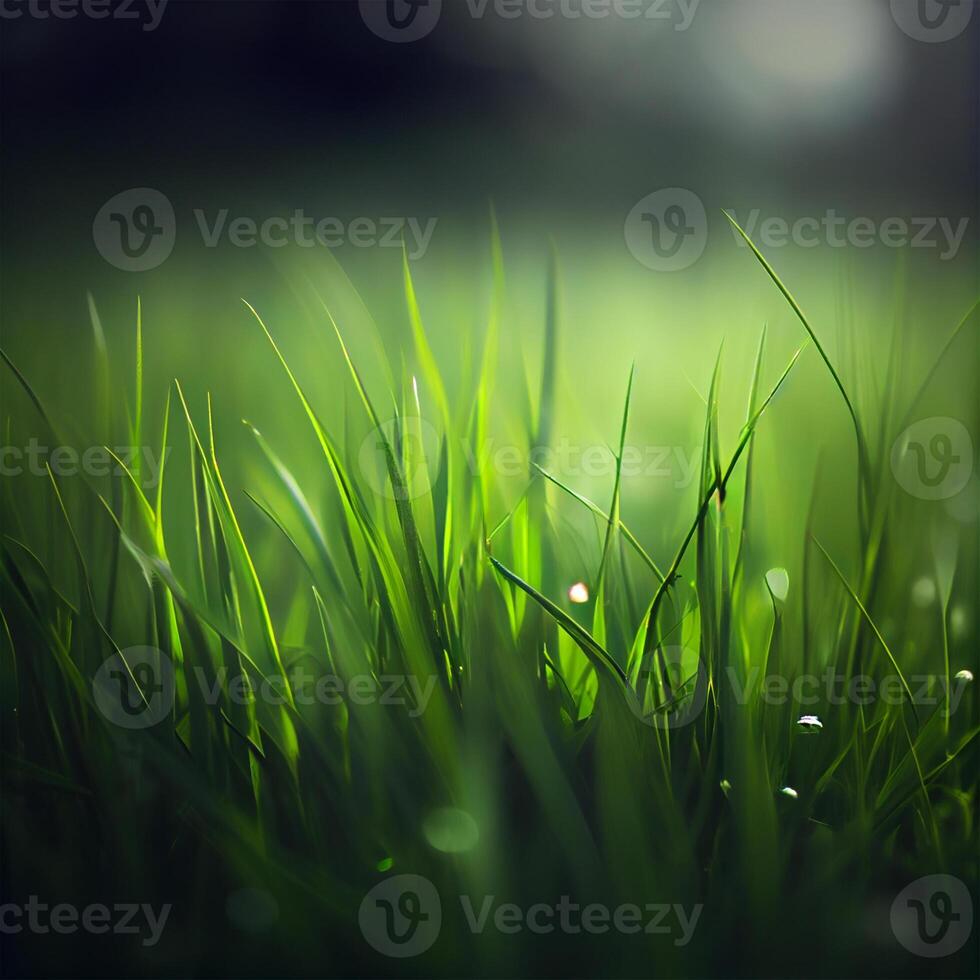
x=255, y=683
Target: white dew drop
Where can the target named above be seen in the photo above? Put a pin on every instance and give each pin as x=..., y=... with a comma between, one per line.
x=578, y=593
x=810, y=724
x=451, y=830
x=777, y=580
x=924, y=592
x=790, y=792
x=964, y=676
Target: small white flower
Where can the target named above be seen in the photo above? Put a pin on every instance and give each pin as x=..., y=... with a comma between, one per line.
x=790, y=792
x=810, y=723
x=579, y=593
x=965, y=676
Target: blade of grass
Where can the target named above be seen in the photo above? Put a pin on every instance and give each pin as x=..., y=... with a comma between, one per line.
x=867, y=617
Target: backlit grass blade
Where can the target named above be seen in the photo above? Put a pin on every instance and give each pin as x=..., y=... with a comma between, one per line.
x=356, y=517
x=423, y=351
x=478, y=428
x=164, y=453
x=137, y=428
x=863, y=460
x=549, y=370
x=358, y=525
x=599, y=657
x=931, y=373
x=419, y=571
x=801, y=316
x=257, y=590
x=602, y=515
x=747, y=495
x=146, y=508
x=612, y=525
x=25, y=384
x=743, y=441
x=874, y=628
x=102, y=380
x=302, y=506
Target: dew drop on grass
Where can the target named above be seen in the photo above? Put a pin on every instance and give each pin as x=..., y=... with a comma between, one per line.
x=790, y=792
x=810, y=724
x=778, y=581
x=385, y=864
x=450, y=830
x=964, y=676
x=579, y=593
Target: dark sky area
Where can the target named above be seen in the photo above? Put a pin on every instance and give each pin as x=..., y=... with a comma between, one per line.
x=276, y=104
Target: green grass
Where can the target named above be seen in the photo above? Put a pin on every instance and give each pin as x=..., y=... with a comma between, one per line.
x=588, y=766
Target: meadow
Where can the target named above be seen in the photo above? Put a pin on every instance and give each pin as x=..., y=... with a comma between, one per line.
x=403, y=675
